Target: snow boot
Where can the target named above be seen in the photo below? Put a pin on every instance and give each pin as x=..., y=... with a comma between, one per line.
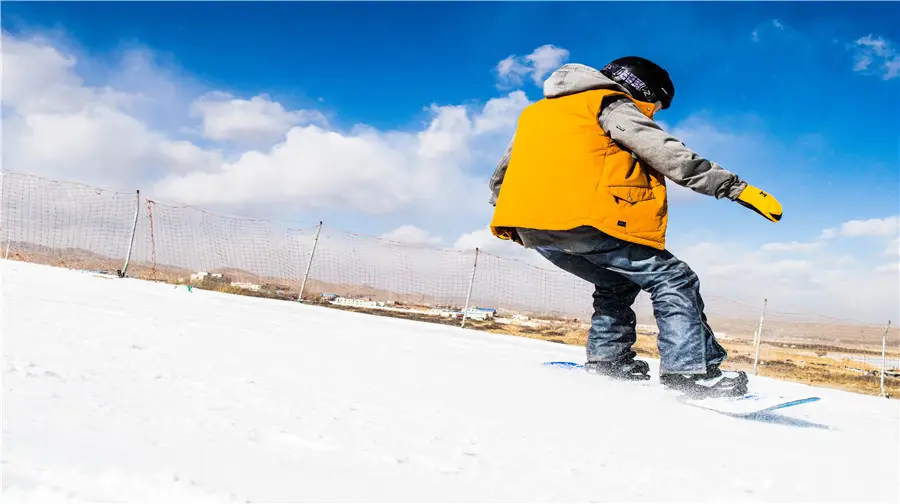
x=714, y=383
x=627, y=369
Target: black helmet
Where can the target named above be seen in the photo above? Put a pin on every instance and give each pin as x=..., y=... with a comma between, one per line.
x=644, y=79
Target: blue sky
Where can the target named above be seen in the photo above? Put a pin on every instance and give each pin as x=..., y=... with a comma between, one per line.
x=800, y=99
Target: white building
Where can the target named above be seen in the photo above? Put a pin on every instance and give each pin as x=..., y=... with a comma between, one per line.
x=247, y=285
x=476, y=314
x=440, y=312
x=359, y=303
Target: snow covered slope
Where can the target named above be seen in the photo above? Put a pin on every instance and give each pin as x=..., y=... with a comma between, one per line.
x=128, y=390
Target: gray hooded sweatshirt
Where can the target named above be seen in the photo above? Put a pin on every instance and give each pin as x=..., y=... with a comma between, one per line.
x=634, y=132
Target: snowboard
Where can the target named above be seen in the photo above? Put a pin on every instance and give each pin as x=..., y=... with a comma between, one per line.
x=746, y=405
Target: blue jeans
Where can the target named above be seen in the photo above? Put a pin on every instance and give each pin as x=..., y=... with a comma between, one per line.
x=619, y=270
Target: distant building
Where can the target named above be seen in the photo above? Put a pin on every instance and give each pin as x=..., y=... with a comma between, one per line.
x=329, y=296
x=199, y=276
x=247, y=285
x=359, y=303
x=441, y=312
x=480, y=313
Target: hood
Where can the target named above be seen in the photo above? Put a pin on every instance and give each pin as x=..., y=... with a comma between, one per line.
x=574, y=78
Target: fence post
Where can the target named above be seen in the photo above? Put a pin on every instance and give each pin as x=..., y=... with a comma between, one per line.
x=883, y=348
x=758, y=337
x=309, y=263
x=469, y=294
x=137, y=212
x=153, y=270
x=8, y=239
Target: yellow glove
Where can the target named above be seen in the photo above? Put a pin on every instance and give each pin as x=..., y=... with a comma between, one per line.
x=507, y=234
x=760, y=202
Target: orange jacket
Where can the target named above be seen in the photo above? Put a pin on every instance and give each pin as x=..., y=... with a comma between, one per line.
x=565, y=172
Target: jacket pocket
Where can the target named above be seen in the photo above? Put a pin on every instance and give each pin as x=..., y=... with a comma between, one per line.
x=631, y=194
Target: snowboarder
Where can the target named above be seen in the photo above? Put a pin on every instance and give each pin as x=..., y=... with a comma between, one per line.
x=583, y=183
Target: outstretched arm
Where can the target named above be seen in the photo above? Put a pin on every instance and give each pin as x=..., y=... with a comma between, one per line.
x=637, y=133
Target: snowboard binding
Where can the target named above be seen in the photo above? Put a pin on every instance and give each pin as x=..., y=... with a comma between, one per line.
x=630, y=369
x=713, y=384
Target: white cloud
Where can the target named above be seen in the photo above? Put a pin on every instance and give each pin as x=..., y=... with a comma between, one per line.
x=826, y=283
x=257, y=121
x=58, y=126
x=511, y=72
x=871, y=228
x=502, y=114
x=37, y=78
x=894, y=248
x=63, y=128
x=412, y=235
x=513, y=69
x=889, y=268
x=876, y=55
x=791, y=247
x=365, y=169
x=545, y=59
